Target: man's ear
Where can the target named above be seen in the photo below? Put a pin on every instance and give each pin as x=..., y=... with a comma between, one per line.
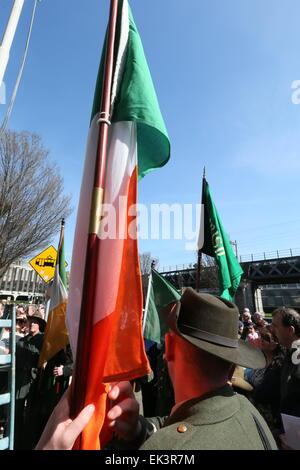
x=292, y=330
x=169, y=347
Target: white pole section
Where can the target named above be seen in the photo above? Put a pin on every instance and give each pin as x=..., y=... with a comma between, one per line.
x=147, y=300
x=9, y=36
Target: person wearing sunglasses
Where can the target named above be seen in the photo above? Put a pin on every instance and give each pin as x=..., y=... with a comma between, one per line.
x=258, y=320
x=266, y=382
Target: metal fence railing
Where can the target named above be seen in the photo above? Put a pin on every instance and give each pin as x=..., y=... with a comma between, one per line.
x=177, y=267
x=270, y=255
x=290, y=252
x=8, y=364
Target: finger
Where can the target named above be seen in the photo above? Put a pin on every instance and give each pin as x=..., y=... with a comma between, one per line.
x=127, y=428
x=120, y=391
x=115, y=413
x=79, y=423
x=122, y=429
x=126, y=409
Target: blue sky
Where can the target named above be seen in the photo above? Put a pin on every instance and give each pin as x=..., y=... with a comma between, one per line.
x=223, y=72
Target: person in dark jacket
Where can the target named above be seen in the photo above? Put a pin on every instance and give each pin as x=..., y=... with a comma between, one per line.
x=53, y=382
x=28, y=351
x=286, y=326
x=266, y=382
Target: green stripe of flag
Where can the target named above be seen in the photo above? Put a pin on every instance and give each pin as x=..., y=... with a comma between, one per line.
x=136, y=101
x=161, y=293
x=62, y=264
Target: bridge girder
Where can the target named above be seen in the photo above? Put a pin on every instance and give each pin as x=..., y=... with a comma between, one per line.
x=272, y=271
x=278, y=271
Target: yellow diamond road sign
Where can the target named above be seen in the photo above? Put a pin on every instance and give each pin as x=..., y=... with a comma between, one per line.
x=44, y=263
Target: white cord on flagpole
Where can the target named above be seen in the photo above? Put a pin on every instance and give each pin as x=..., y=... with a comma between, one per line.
x=12, y=100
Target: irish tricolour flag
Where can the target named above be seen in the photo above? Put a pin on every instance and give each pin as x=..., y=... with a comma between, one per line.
x=56, y=333
x=137, y=143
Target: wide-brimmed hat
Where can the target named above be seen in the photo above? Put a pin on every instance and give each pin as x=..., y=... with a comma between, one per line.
x=211, y=324
x=38, y=316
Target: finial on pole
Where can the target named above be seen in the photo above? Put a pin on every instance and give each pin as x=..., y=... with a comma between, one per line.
x=204, y=172
x=62, y=229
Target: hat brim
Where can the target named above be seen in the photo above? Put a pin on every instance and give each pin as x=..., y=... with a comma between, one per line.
x=245, y=354
x=41, y=321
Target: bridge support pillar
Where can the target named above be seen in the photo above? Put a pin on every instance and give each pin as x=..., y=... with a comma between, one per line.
x=248, y=295
x=258, y=300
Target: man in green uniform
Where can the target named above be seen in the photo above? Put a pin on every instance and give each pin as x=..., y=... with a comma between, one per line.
x=201, y=350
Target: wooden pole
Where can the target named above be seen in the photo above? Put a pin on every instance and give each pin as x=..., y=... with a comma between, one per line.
x=199, y=260
x=62, y=229
x=80, y=374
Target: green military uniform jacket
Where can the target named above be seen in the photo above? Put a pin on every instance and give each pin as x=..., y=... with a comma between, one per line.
x=221, y=420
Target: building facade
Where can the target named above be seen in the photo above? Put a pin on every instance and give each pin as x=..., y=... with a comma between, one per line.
x=22, y=283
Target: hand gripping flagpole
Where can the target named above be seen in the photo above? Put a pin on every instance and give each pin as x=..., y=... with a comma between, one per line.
x=80, y=375
x=199, y=261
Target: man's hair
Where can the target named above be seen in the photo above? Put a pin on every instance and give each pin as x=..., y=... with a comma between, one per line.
x=289, y=317
x=33, y=307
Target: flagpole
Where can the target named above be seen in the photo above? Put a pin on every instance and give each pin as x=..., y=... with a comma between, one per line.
x=61, y=237
x=88, y=294
x=62, y=229
x=199, y=260
x=147, y=300
x=148, y=295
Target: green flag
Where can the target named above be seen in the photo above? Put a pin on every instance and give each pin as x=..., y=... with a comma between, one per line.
x=217, y=245
x=160, y=293
x=133, y=94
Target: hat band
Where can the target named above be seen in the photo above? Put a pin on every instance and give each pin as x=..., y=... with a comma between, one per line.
x=211, y=337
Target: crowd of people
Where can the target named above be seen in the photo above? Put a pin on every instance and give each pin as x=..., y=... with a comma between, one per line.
x=216, y=365
x=37, y=390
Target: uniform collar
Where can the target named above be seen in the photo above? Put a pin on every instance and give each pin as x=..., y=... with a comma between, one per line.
x=210, y=408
